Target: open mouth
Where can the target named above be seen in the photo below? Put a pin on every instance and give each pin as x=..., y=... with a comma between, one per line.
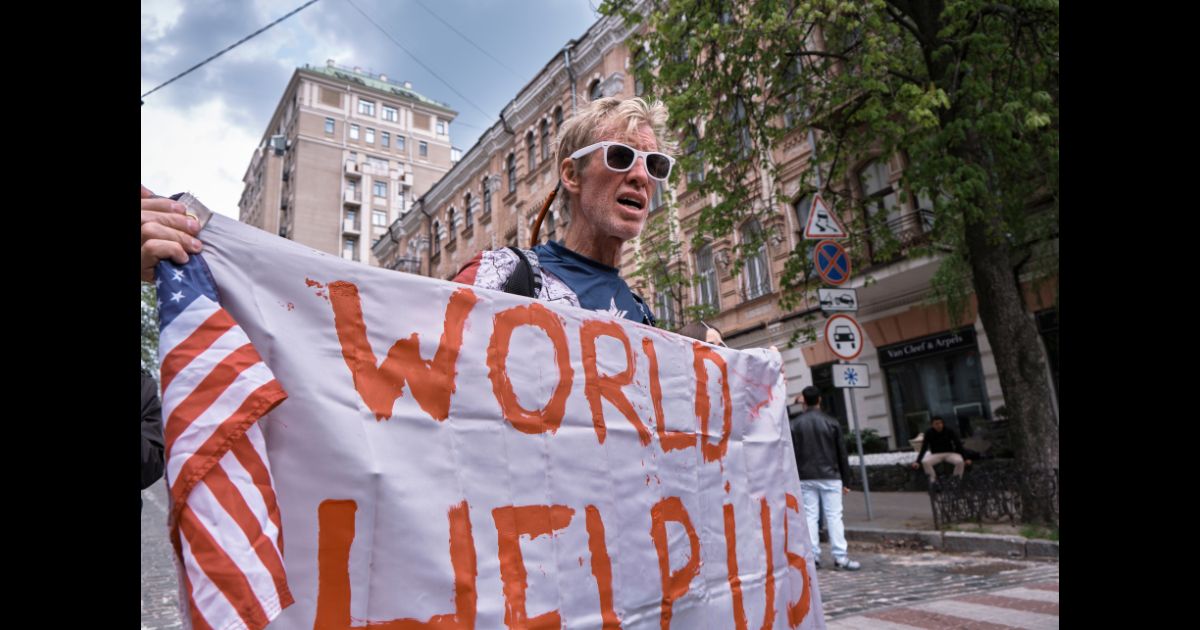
x=630, y=202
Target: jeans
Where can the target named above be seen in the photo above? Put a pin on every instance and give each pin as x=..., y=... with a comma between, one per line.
x=933, y=459
x=828, y=492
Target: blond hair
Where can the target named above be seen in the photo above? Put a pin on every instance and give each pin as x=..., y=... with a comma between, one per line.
x=608, y=115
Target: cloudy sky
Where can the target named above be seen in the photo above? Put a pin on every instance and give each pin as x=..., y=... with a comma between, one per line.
x=198, y=133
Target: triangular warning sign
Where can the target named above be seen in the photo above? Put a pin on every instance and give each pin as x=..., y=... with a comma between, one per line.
x=822, y=223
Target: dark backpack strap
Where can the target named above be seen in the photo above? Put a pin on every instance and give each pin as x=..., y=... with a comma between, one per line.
x=647, y=316
x=525, y=279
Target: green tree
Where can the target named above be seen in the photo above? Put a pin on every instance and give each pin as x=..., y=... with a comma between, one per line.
x=962, y=93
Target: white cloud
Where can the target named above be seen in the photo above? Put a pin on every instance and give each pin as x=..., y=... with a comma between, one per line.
x=158, y=16
x=197, y=151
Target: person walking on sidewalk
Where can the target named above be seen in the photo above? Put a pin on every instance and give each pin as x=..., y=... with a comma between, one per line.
x=824, y=476
x=944, y=446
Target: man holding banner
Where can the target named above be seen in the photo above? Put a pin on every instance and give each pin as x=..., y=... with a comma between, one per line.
x=481, y=460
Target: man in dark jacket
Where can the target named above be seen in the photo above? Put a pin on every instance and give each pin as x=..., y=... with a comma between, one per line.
x=152, y=433
x=824, y=475
x=944, y=446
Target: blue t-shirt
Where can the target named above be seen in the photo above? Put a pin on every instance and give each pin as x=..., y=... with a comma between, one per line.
x=598, y=286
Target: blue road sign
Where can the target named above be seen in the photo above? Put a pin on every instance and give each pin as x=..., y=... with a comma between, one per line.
x=832, y=262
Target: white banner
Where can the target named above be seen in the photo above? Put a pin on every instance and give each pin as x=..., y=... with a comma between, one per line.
x=456, y=457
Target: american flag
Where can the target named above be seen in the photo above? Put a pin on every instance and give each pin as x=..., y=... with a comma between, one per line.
x=224, y=520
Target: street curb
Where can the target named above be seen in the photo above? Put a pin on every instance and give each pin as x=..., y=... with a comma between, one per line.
x=989, y=544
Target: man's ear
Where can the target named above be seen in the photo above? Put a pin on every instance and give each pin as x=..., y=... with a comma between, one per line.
x=569, y=175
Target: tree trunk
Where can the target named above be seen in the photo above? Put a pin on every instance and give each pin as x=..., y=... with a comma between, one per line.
x=1012, y=334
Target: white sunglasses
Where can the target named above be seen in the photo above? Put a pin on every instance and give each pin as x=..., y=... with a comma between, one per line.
x=620, y=158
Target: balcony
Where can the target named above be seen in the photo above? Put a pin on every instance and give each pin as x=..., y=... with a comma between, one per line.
x=352, y=168
x=350, y=226
x=374, y=170
x=907, y=232
x=353, y=196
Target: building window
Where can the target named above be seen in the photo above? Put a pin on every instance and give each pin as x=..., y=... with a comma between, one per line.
x=354, y=132
x=743, y=128
x=706, y=272
x=451, y=219
x=351, y=219
x=692, y=149
x=639, y=87
x=558, y=118
x=390, y=114
x=793, y=112
x=370, y=136
x=400, y=198
x=532, y=151
x=329, y=125
x=594, y=90
x=664, y=302
x=512, y=172
x=875, y=180
x=350, y=248
x=487, y=196
x=378, y=218
x=377, y=164
x=802, y=209
x=366, y=108
x=437, y=239
x=470, y=221
x=933, y=376
x=441, y=128
x=385, y=139
x=545, y=140
x=754, y=273
x=380, y=189
x=399, y=143
x=423, y=149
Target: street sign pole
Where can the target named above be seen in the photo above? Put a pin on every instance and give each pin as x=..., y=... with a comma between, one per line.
x=862, y=457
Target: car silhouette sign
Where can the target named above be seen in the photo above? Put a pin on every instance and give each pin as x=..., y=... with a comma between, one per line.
x=844, y=336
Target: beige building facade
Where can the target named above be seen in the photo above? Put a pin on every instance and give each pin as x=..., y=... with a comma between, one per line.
x=920, y=364
x=345, y=154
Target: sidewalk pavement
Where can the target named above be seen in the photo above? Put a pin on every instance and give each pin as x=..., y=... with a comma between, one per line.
x=906, y=519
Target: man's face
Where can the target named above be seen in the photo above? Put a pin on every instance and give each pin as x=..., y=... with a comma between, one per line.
x=615, y=204
x=938, y=425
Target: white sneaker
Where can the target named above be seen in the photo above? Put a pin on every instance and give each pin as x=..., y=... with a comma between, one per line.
x=847, y=565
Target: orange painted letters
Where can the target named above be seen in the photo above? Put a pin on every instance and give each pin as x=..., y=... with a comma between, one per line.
x=597, y=387
x=335, y=522
x=511, y=523
x=431, y=382
x=701, y=352
x=797, y=611
x=735, y=582
x=674, y=585
x=551, y=416
x=670, y=440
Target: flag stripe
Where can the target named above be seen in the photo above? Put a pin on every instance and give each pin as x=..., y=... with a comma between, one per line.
x=198, y=341
x=208, y=603
x=191, y=377
x=247, y=454
x=230, y=498
x=223, y=528
x=221, y=570
x=195, y=467
x=183, y=325
x=251, y=494
x=209, y=389
x=198, y=620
